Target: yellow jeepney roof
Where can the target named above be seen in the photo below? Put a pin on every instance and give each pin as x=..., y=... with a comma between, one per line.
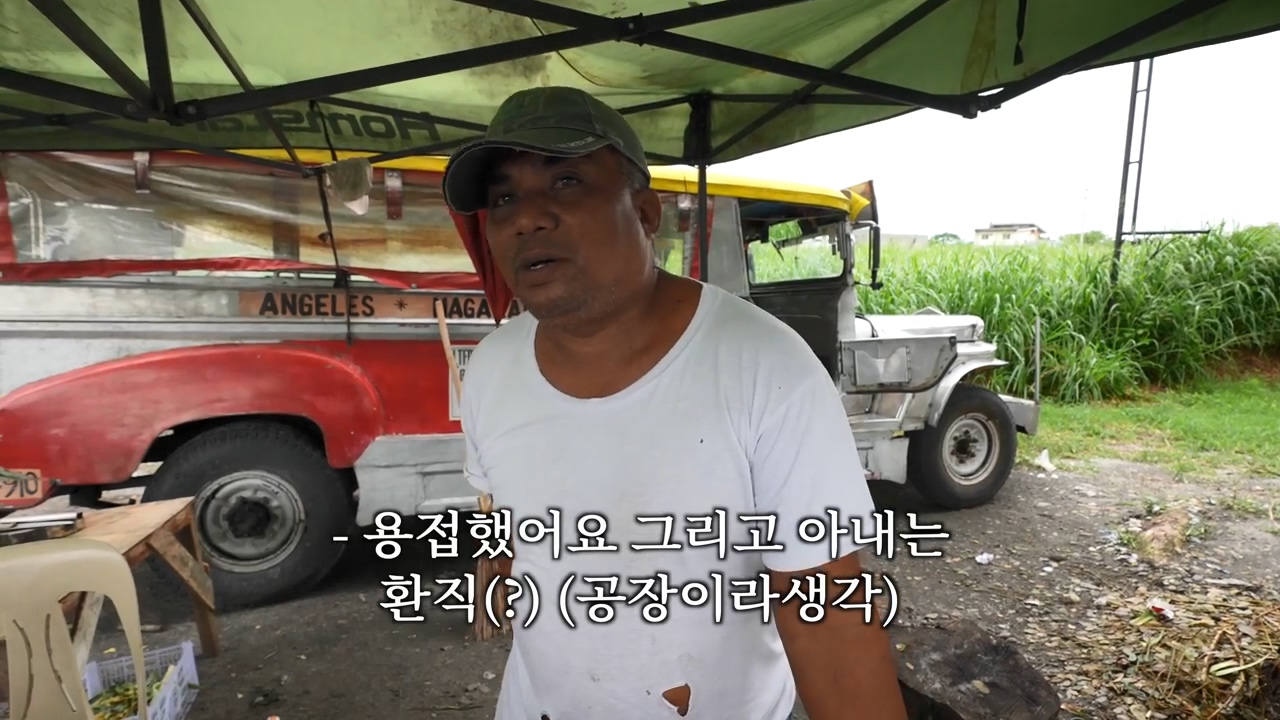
x=666, y=178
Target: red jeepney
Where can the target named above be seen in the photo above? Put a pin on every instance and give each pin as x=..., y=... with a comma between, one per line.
x=197, y=313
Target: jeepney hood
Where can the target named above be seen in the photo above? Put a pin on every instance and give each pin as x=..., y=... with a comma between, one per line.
x=966, y=328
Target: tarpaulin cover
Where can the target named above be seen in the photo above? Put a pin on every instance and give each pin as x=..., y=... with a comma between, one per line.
x=960, y=48
x=704, y=107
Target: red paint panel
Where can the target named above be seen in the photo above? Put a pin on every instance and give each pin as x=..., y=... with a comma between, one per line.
x=94, y=425
x=411, y=377
x=8, y=253
x=471, y=228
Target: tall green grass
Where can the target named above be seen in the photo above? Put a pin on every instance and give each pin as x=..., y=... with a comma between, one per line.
x=1182, y=306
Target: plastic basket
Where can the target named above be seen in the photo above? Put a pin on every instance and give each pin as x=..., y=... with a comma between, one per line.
x=175, y=697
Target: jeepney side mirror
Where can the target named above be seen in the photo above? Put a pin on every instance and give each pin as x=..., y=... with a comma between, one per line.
x=875, y=283
x=873, y=250
x=845, y=243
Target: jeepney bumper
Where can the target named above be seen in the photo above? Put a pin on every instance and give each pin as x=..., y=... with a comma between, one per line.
x=1026, y=413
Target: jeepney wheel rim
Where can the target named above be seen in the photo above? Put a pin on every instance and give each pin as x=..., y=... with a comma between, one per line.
x=971, y=449
x=249, y=520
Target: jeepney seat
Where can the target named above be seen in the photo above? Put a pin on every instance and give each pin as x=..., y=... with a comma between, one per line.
x=45, y=681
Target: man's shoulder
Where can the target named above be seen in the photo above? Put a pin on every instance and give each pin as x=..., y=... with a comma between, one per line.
x=740, y=326
x=499, y=348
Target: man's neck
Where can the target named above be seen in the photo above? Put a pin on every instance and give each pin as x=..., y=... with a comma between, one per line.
x=629, y=325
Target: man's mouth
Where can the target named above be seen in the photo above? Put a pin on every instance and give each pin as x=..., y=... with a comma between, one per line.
x=537, y=262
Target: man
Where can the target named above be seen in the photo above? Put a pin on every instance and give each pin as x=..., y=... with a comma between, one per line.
x=650, y=400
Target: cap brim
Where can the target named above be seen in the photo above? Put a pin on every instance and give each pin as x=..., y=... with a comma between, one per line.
x=468, y=168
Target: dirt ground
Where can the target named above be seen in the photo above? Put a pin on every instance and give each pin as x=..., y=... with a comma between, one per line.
x=1062, y=561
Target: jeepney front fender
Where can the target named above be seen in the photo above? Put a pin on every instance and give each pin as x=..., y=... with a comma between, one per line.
x=1026, y=414
x=958, y=372
x=94, y=426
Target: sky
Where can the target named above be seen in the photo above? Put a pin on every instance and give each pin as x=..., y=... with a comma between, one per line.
x=1054, y=156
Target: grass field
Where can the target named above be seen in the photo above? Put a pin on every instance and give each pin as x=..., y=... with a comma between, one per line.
x=1217, y=424
x=1153, y=377
x=1182, y=306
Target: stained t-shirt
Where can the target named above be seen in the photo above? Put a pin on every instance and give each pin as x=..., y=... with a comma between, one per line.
x=738, y=419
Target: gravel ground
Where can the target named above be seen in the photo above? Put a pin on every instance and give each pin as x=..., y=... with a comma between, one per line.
x=1050, y=565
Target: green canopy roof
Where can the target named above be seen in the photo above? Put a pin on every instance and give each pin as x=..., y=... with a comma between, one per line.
x=702, y=82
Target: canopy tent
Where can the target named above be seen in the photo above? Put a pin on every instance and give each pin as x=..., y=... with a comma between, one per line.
x=701, y=82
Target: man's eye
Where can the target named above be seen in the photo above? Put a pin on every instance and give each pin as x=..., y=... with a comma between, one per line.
x=499, y=199
x=566, y=181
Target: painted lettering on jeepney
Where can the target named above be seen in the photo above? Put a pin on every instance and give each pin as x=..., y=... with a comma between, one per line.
x=296, y=304
x=20, y=484
x=462, y=357
x=336, y=304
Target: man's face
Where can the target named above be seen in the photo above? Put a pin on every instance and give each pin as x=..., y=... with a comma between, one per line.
x=570, y=235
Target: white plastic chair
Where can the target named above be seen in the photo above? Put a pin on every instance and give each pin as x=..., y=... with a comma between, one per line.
x=45, y=681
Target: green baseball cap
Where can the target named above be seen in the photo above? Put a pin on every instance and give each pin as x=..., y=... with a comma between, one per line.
x=559, y=121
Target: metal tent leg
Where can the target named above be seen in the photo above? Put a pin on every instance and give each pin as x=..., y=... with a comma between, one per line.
x=1130, y=161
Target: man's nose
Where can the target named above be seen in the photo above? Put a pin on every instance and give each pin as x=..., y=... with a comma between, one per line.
x=534, y=214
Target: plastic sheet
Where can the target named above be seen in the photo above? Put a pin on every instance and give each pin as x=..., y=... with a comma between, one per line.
x=69, y=207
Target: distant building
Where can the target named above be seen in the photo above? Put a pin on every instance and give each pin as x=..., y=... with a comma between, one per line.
x=1009, y=234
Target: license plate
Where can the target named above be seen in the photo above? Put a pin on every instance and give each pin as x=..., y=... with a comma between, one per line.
x=21, y=488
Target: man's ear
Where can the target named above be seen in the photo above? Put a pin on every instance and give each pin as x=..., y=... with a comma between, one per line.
x=648, y=207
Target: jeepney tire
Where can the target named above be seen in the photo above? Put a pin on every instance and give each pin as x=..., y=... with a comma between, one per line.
x=971, y=412
x=286, y=454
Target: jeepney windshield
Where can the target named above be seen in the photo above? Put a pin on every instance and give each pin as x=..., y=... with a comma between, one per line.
x=787, y=242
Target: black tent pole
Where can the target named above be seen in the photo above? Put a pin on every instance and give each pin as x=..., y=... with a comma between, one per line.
x=698, y=147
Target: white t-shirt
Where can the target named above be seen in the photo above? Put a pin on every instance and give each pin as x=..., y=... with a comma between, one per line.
x=739, y=417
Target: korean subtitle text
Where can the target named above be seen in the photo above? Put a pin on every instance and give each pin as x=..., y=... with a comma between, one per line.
x=816, y=594
x=658, y=590
x=591, y=535
x=493, y=532
x=388, y=534
x=709, y=531
x=881, y=537
x=441, y=533
x=858, y=593
x=413, y=594
x=408, y=596
x=535, y=530
x=668, y=529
